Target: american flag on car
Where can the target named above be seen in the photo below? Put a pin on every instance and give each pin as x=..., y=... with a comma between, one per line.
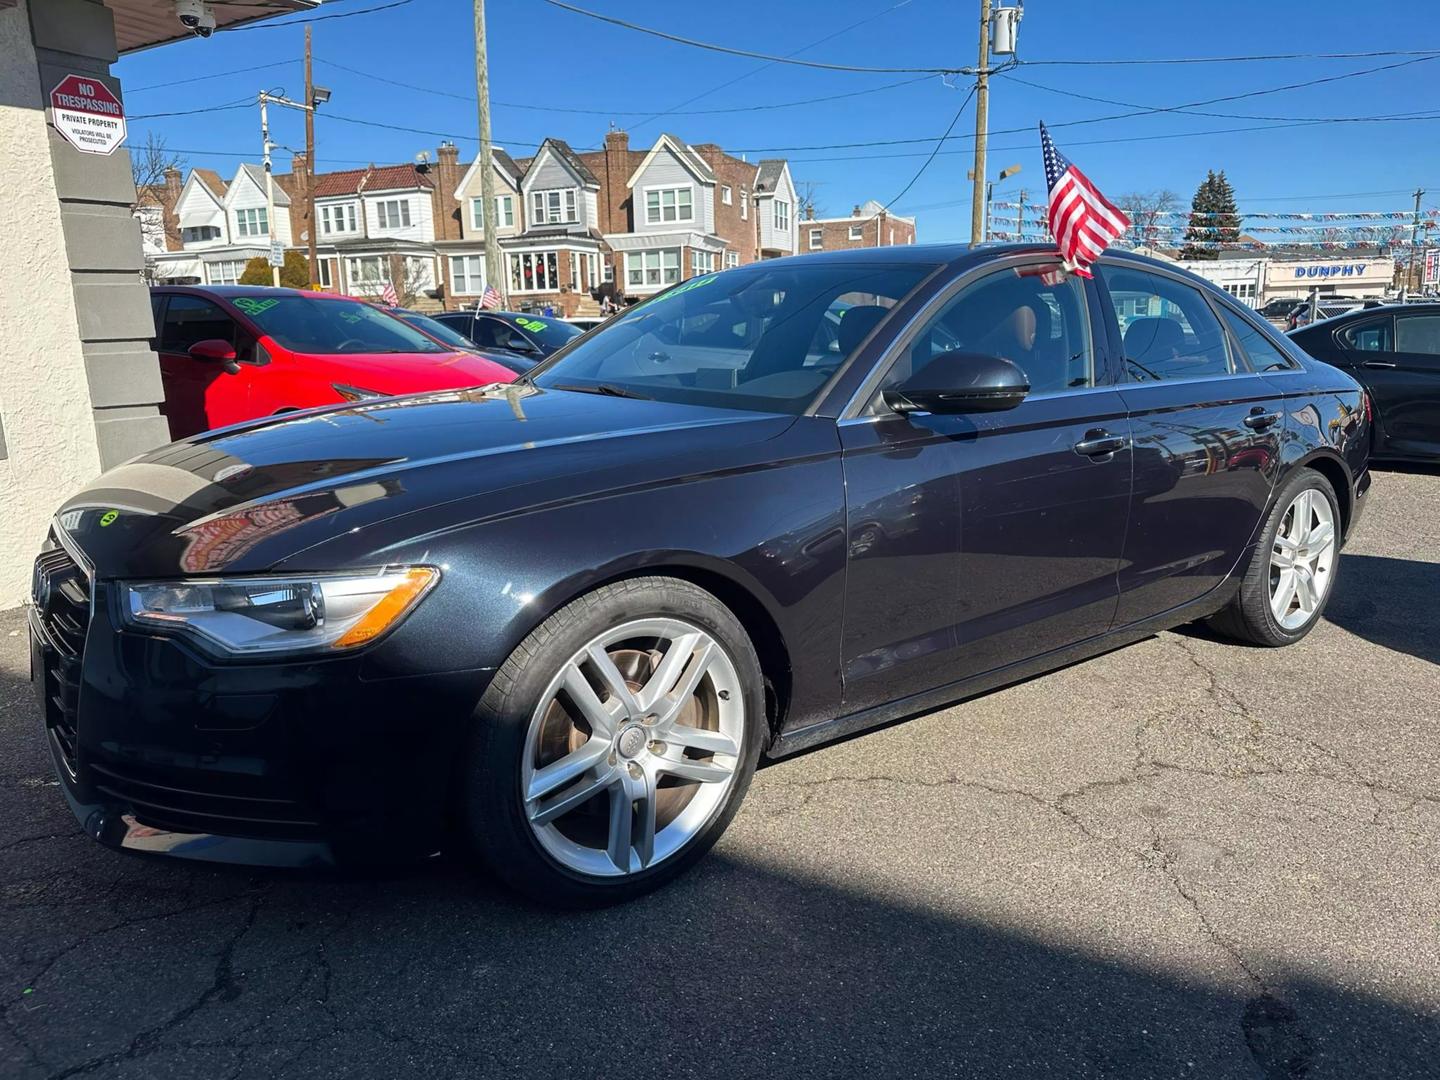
x=1082, y=221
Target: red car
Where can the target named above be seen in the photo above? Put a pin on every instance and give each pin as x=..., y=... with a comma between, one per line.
x=234, y=352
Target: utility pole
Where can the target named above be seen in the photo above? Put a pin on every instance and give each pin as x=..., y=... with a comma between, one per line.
x=1020, y=218
x=982, y=123
x=493, y=274
x=269, y=188
x=1414, y=240
x=310, y=166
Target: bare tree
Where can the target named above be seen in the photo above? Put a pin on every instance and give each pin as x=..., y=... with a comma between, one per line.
x=806, y=194
x=1149, y=212
x=149, y=165
x=412, y=276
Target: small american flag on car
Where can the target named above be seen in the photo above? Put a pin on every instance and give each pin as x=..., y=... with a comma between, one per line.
x=389, y=296
x=1082, y=221
x=490, y=298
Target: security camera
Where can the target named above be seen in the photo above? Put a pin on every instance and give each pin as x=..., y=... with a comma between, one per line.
x=195, y=16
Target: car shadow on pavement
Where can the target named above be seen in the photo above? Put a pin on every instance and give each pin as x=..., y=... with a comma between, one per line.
x=1389, y=602
x=115, y=966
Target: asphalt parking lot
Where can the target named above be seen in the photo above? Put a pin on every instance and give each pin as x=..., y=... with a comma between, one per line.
x=1186, y=858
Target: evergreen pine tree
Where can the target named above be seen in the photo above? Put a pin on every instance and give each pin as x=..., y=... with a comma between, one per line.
x=1227, y=224
x=1201, y=228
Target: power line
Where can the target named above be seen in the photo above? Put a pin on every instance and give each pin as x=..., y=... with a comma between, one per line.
x=313, y=18
x=241, y=104
x=1228, y=59
x=425, y=131
x=939, y=143
x=129, y=90
x=470, y=98
x=653, y=32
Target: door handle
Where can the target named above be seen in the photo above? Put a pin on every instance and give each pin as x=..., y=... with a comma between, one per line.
x=1259, y=419
x=1100, y=443
x=1378, y=364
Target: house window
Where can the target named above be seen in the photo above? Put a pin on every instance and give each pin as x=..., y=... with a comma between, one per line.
x=609, y=270
x=467, y=274
x=325, y=279
x=228, y=272
x=253, y=222
x=857, y=232
x=744, y=205
x=335, y=219
x=393, y=213
x=782, y=216
x=365, y=270
x=892, y=238
x=817, y=239
x=725, y=194
x=700, y=262
x=669, y=204
x=504, y=212
x=553, y=207
x=732, y=260
x=652, y=267
x=534, y=271
x=199, y=233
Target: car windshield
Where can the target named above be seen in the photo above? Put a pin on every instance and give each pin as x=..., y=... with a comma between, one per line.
x=550, y=333
x=765, y=338
x=307, y=324
x=436, y=329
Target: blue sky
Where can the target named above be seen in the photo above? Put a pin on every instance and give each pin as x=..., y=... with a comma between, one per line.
x=541, y=56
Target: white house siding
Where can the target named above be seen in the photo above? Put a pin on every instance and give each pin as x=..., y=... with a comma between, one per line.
x=666, y=171
x=770, y=237
x=549, y=174
x=470, y=189
x=337, y=234
x=245, y=194
x=197, y=209
x=422, y=219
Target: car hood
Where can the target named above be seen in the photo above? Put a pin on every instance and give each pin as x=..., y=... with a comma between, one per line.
x=403, y=373
x=249, y=497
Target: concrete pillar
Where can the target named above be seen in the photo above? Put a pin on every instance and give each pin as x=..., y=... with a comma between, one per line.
x=102, y=241
x=79, y=386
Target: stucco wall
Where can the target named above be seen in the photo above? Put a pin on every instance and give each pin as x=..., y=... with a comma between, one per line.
x=45, y=408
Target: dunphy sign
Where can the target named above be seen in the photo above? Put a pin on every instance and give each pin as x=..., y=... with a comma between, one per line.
x=87, y=114
x=1336, y=270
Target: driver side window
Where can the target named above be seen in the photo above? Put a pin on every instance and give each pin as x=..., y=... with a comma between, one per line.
x=1034, y=316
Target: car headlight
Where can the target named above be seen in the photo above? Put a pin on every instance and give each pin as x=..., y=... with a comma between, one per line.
x=244, y=616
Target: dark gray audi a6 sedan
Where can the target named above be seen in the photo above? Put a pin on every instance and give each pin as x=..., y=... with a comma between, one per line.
x=555, y=623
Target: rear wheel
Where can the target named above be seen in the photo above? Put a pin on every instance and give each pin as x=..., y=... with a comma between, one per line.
x=1292, y=572
x=615, y=744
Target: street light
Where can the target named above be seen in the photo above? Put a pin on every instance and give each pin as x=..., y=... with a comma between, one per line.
x=1005, y=174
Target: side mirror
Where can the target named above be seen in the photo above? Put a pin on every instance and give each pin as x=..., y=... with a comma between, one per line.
x=216, y=351
x=960, y=382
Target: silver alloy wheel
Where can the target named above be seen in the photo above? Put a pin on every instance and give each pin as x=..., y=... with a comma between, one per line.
x=1302, y=559
x=649, y=714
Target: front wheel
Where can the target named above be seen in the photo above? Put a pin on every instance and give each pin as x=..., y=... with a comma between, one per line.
x=1292, y=572
x=615, y=744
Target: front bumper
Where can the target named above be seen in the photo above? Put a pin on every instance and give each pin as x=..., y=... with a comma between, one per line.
x=160, y=749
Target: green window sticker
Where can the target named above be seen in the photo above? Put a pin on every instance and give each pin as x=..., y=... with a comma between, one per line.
x=251, y=306
x=533, y=325
x=693, y=283
x=350, y=316
x=108, y=518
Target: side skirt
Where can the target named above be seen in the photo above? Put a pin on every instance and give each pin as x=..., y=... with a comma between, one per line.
x=826, y=731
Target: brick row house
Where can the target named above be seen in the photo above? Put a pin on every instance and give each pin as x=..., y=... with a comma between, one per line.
x=571, y=225
x=869, y=225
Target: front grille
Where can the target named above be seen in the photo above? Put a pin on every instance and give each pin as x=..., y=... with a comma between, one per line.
x=60, y=588
x=178, y=809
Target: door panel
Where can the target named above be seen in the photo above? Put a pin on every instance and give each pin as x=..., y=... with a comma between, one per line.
x=1408, y=394
x=199, y=394
x=980, y=540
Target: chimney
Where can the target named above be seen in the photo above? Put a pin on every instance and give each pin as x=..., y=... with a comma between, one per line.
x=447, y=181
x=856, y=211
x=617, y=170
x=173, y=183
x=809, y=211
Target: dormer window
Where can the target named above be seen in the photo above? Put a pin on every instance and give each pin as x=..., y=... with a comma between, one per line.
x=252, y=222
x=340, y=218
x=669, y=204
x=393, y=213
x=556, y=207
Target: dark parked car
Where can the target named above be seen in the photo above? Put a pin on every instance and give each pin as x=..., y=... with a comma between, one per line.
x=558, y=621
x=529, y=337
x=1281, y=308
x=1395, y=353
x=447, y=335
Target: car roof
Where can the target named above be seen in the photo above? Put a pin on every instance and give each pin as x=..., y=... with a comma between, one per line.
x=231, y=291
x=1426, y=308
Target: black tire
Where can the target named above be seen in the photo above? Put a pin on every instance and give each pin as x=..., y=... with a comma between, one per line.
x=1248, y=617
x=493, y=811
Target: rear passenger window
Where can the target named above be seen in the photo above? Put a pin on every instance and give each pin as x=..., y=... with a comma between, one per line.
x=1368, y=337
x=1418, y=334
x=1263, y=354
x=189, y=319
x=1167, y=327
